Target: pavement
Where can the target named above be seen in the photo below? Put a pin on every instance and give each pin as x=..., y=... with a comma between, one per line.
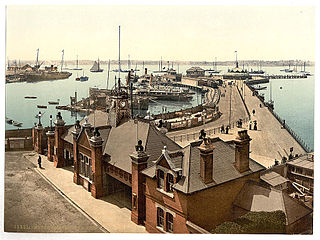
x=111, y=214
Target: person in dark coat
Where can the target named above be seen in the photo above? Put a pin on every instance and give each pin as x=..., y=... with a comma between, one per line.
x=39, y=161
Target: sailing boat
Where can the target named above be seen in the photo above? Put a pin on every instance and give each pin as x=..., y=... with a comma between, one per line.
x=77, y=65
x=96, y=67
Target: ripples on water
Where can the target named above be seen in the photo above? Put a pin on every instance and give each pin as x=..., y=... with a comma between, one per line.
x=294, y=102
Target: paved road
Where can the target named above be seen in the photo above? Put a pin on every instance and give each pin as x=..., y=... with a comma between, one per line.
x=33, y=205
x=237, y=111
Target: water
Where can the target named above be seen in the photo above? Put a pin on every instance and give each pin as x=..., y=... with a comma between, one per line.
x=294, y=102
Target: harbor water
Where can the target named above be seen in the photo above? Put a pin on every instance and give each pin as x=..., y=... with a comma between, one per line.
x=293, y=98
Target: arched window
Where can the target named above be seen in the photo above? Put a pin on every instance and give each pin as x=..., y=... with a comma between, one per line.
x=160, y=217
x=169, y=182
x=169, y=222
x=160, y=179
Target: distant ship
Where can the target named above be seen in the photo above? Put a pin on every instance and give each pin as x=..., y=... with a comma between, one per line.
x=96, y=67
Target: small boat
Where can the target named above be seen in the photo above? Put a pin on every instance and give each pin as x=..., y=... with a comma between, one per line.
x=17, y=124
x=9, y=121
x=77, y=79
x=41, y=106
x=30, y=97
x=83, y=78
x=53, y=102
x=96, y=67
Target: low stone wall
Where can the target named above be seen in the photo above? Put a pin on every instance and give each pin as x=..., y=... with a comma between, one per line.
x=20, y=133
x=18, y=144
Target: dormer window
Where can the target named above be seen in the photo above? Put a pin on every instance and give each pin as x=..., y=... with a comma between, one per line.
x=160, y=179
x=170, y=182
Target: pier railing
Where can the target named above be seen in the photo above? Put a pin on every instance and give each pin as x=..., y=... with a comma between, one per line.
x=301, y=142
x=210, y=132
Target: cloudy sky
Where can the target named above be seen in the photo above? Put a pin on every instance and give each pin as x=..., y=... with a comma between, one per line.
x=175, y=32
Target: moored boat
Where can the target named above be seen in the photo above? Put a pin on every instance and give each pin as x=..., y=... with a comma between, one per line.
x=30, y=97
x=41, y=106
x=17, y=124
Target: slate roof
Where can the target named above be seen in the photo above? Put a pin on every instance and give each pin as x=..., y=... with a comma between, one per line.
x=256, y=197
x=119, y=142
x=100, y=119
x=122, y=140
x=273, y=178
x=223, y=167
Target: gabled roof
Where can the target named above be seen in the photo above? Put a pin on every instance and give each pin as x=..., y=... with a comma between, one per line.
x=174, y=159
x=122, y=140
x=256, y=197
x=223, y=167
x=98, y=119
x=119, y=142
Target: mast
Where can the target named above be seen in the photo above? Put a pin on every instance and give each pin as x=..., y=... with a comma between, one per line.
x=37, y=58
x=161, y=63
x=143, y=65
x=129, y=62
x=77, y=62
x=62, y=59
x=98, y=64
x=236, y=59
x=108, y=74
x=119, y=54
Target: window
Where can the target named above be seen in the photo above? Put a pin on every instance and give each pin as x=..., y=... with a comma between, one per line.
x=160, y=179
x=169, y=222
x=160, y=217
x=86, y=166
x=81, y=171
x=169, y=182
x=90, y=169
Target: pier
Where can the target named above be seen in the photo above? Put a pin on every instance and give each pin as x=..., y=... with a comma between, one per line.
x=271, y=141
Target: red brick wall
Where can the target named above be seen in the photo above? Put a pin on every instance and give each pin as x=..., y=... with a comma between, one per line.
x=177, y=204
x=213, y=206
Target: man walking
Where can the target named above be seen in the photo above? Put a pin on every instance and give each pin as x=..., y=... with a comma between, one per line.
x=39, y=161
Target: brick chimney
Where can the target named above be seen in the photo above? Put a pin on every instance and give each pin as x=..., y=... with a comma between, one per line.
x=58, y=158
x=206, y=160
x=76, y=164
x=96, y=159
x=242, y=144
x=50, y=135
x=139, y=162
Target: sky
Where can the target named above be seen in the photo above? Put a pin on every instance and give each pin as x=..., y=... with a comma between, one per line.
x=173, y=32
